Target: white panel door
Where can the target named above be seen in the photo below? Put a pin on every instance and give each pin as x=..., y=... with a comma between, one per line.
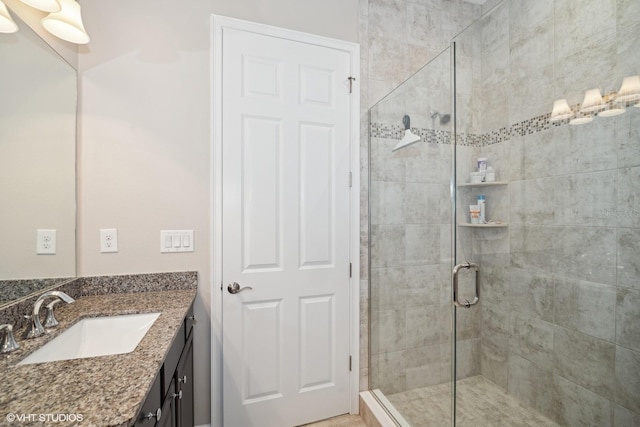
x=286, y=196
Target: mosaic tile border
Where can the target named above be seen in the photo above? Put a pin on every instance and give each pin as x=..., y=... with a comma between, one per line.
x=526, y=127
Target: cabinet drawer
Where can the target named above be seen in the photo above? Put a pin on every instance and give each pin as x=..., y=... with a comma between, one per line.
x=171, y=362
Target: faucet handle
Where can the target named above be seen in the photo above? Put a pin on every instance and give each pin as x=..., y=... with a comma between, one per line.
x=8, y=343
x=34, y=328
x=50, y=320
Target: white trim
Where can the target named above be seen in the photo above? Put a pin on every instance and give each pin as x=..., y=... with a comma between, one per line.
x=218, y=23
x=378, y=412
x=384, y=404
x=216, y=221
x=354, y=50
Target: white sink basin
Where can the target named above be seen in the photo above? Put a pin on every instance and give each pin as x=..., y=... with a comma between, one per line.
x=95, y=336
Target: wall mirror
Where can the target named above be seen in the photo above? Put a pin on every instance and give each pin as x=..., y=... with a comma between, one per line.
x=37, y=164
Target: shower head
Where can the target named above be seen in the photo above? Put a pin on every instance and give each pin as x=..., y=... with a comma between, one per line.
x=444, y=118
x=409, y=137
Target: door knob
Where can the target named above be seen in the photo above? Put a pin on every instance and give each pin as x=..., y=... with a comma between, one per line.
x=235, y=288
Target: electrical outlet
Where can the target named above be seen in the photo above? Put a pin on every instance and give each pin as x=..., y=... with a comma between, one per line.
x=108, y=240
x=46, y=242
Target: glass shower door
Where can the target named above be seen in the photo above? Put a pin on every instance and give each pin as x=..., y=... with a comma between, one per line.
x=410, y=248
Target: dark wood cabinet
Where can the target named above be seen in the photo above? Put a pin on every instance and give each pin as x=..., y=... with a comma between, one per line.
x=170, y=400
x=168, y=418
x=184, y=386
x=149, y=413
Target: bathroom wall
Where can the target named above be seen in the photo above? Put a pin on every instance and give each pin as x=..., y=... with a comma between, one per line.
x=144, y=149
x=560, y=323
x=397, y=38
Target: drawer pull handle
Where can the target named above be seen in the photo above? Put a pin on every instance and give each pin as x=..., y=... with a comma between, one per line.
x=155, y=415
x=178, y=395
x=183, y=380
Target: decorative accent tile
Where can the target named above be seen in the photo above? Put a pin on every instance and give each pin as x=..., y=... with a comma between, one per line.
x=526, y=127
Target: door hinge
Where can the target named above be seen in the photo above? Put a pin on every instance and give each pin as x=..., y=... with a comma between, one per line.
x=349, y=363
x=350, y=270
x=351, y=80
x=350, y=179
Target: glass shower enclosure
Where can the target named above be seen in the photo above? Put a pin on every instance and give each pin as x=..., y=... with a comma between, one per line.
x=546, y=326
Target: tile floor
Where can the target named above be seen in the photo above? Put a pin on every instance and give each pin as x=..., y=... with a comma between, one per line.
x=480, y=403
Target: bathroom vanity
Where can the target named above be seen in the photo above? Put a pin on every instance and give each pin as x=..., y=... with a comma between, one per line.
x=170, y=400
x=152, y=385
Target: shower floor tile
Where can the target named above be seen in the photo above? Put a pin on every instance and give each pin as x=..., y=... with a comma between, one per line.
x=480, y=403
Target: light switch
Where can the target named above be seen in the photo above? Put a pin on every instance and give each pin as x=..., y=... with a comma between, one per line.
x=176, y=241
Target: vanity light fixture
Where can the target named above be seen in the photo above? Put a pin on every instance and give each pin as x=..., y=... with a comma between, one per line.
x=630, y=90
x=561, y=111
x=43, y=5
x=614, y=109
x=64, y=20
x=6, y=23
x=581, y=118
x=67, y=23
x=592, y=101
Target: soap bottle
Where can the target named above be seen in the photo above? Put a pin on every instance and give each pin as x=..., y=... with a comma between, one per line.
x=481, y=204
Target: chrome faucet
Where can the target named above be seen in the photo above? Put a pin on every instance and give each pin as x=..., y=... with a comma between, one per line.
x=35, y=328
x=8, y=343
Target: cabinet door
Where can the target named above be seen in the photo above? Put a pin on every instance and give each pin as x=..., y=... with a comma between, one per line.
x=184, y=383
x=189, y=322
x=147, y=415
x=168, y=418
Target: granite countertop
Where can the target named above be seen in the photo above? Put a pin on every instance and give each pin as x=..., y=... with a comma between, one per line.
x=103, y=391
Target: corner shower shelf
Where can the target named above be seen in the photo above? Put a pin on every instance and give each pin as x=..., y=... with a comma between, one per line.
x=483, y=184
x=467, y=224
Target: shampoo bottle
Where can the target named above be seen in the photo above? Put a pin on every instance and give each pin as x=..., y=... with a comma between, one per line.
x=481, y=204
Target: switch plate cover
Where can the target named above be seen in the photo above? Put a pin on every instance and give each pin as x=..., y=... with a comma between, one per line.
x=176, y=241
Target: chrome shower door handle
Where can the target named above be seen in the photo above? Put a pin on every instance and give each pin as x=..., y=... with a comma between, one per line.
x=234, y=288
x=476, y=298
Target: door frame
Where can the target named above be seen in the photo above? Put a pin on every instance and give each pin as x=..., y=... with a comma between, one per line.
x=218, y=23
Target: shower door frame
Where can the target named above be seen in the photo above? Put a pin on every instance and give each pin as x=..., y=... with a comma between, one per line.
x=454, y=230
